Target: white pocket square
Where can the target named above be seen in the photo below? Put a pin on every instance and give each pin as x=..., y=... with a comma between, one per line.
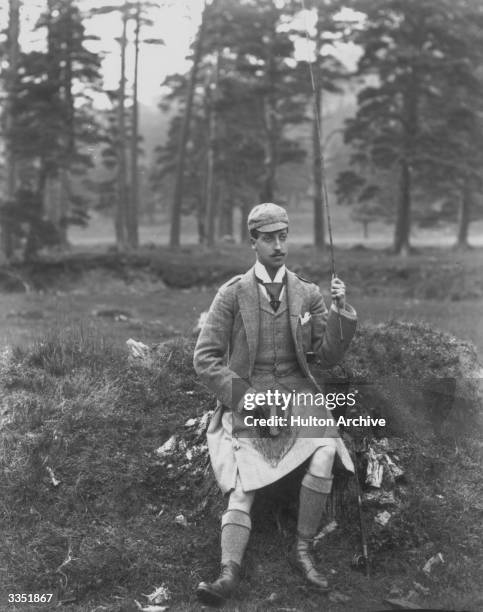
x=305, y=318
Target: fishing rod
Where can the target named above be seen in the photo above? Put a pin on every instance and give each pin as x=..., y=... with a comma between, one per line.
x=359, y=560
x=325, y=196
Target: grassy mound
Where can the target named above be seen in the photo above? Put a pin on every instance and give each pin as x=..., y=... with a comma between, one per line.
x=424, y=382
x=90, y=511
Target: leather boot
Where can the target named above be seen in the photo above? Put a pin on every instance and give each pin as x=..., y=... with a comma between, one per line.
x=215, y=593
x=303, y=560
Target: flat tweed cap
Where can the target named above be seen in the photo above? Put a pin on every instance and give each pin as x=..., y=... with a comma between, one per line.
x=267, y=217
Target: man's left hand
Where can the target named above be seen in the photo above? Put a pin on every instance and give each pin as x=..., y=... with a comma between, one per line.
x=337, y=292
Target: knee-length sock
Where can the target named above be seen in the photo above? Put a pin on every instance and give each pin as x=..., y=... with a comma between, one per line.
x=235, y=532
x=313, y=498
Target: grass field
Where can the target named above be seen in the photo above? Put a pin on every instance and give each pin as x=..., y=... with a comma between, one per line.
x=437, y=286
x=160, y=313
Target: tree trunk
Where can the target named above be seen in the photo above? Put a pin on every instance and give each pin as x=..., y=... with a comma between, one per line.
x=243, y=222
x=365, y=229
x=49, y=186
x=37, y=206
x=268, y=186
x=271, y=125
x=6, y=238
x=132, y=228
x=464, y=216
x=174, y=238
x=65, y=194
x=403, y=221
x=201, y=223
x=210, y=209
x=210, y=161
x=51, y=198
x=225, y=219
x=122, y=186
x=411, y=130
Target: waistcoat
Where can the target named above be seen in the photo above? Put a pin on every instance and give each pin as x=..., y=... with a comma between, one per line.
x=276, y=348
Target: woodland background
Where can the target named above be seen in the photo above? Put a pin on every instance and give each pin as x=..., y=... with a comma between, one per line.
x=397, y=90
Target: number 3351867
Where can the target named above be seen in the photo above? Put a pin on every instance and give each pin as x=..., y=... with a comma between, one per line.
x=29, y=597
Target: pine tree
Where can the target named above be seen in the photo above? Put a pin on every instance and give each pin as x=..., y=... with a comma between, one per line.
x=411, y=49
x=54, y=120
x=122, y=152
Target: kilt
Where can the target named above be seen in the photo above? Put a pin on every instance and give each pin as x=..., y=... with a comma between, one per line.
x=239, y=450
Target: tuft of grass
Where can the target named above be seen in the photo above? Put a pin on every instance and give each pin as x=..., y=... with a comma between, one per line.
x=64, y=349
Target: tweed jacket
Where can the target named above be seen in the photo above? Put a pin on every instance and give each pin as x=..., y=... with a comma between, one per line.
x=225, y=352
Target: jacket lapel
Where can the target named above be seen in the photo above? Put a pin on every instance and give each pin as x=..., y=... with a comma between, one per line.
x=295, y=299
x=294, y=303
x=249, y=310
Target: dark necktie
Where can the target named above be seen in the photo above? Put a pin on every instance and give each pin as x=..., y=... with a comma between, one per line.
x=273, y=290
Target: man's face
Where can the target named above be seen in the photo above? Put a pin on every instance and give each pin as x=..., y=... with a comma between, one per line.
x=271, y=248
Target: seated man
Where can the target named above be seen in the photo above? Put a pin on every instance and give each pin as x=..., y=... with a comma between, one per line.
x=259, y=330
